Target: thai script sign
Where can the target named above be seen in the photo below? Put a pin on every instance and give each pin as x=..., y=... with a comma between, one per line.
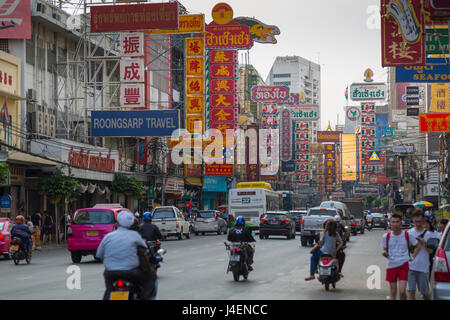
x=364, y=91
x=434, y=122
x=305, y=113
x=134, y=17
x=270, y=94
x=402, y=33
x=328, y=136
x=432, y=72
x=140, y=123
x=98, y=163
x=229, y=36
x=219, y=170
x=189, y=23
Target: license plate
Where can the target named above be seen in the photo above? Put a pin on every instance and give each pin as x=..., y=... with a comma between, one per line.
x=274, y=222
x=14, y=248
x=92, y=233
x=235, y=258
x=119, y=295
x=325, y=271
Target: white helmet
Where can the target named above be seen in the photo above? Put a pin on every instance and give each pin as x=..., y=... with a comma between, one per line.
x=337, y=218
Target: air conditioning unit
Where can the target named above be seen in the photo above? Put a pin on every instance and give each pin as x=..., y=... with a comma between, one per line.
x=37, y=122
x=32, y=95
x=45, y=125
x=51, y=126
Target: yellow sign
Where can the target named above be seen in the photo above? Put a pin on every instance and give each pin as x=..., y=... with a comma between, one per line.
x=190, y=23
x=195, y=105
x=439, y=97
x=195, y=86
x=222, y=13
x=195, y=47
x=195, y=124
x=251, y=185
x=195, y=66
x=374, y=157
x=348, y=157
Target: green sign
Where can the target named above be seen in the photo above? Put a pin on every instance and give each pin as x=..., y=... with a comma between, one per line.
x=151, y=193
x=388, y=131
x=400, y=133
x=436, y=41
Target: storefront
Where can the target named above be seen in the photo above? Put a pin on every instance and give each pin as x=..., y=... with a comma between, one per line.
x=214, y=192
x=173, y=191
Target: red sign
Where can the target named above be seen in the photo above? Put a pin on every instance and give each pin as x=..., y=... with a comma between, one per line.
x=379, y=179
x=226, y=71
x=228, y=36
x=223, y=86
x=434, y=122
x=270, y=94
x=293, y=100
x=223, y=126
x=223, y=114
x=86, y=161
x=222, y=56
x=223, y=100
x=15, y=16
x=438, y=9
x=219, y=170
x=134, y=17
x=402, y=33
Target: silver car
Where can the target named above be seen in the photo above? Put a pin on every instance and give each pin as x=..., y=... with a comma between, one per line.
x=209, y=221
x=440, y=277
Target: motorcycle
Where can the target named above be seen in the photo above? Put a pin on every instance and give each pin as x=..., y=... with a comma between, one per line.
x=369, y=225
x=237, y=260
x=328, y=271
x=127, y=290
x=18, y=251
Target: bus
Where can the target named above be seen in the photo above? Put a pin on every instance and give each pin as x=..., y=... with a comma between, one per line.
x=251, y=200
x=293, y=201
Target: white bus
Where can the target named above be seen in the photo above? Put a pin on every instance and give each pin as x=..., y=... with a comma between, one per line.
x=251, y=203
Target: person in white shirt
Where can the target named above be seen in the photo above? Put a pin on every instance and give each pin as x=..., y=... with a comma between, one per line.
x=396, y=248
x=419, y=268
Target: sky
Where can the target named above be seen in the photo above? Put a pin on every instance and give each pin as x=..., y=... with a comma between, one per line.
x=339, y=34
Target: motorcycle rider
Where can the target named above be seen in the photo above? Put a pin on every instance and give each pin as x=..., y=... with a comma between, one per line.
x=22, y=231
x=148, y=230
x=123, y=254
x=340, y=255
x=369, y=219
x=240, y=233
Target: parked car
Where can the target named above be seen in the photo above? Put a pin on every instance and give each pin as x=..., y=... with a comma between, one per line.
x=277, y=223
x=440, y=276
x=171, y=222
x=88, y=227
x=379, y=220
x=209, y=221
x=298, y=216
x=5, y=236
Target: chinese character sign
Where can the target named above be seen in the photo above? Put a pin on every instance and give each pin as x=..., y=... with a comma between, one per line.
x=132, y=70
x=132, y=44
x=302, y=151
x=132, y=95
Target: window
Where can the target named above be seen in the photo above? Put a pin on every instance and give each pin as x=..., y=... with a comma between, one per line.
x=287, y=83
x=4, y=45
x=163, y=214
x=94, y=217
x=282, y=75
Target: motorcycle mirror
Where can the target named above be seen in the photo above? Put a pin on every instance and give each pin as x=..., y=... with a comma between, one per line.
x=162, y=252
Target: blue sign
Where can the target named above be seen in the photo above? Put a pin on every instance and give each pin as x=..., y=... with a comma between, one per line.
x=141, y=123
x=288, y=166
x=431, y=72
x=215, y=184
x=5, y=202
x=382, y=121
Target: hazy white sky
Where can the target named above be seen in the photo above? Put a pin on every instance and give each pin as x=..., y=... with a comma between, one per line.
x=334, y=30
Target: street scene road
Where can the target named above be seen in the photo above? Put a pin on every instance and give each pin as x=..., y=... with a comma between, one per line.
x=195, y=269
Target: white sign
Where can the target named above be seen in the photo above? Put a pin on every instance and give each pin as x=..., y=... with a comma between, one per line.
x=307, y=113
x=132, y=44
x=132, y=95
x=132, y=70
x=367, y=92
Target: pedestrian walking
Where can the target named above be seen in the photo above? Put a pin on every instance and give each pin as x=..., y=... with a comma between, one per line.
x=396, y=248
x=47, y=227
x=419, y=268
x=36, y=218
x=432, y=234
x=64, y=225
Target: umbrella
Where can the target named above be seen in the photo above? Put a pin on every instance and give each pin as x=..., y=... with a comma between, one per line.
x=422, y=204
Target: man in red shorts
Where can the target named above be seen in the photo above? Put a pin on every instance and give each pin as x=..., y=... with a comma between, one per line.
x=396, y=248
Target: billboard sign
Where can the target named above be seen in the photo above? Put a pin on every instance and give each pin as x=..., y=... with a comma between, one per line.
x=306, y=113
x=15, y=18
x=134, y=17
x=348, y=157
x=270, y=94
x=434, y=122
x=402, y=33
x=139, y=123
x=188, y=23
x=328, y=136
x=436, y=70
x=228, y=36
x=367, y=92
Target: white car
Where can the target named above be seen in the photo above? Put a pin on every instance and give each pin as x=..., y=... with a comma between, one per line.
x=209, y=221
x=171, y=222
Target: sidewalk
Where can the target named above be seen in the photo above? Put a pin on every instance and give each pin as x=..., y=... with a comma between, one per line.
x=52, y=247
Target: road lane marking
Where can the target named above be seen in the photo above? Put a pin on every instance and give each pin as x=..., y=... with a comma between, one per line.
x=24, y=278
x=280, y=274
x=178, y=271
x=201, y=265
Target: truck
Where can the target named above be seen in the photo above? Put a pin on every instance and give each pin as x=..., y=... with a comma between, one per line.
x=356, y=207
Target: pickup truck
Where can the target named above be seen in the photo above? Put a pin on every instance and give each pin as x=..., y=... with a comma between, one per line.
x=171, y=222
x=313, y=223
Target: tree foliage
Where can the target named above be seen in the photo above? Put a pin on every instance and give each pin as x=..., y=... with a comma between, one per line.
x=60, y=187
x=4, y=169
x=129, y=186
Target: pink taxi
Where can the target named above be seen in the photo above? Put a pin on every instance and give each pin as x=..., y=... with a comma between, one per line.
x=5, y=236
x=88, y=227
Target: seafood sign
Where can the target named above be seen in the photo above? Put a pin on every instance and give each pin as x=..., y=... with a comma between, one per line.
x=270, y=94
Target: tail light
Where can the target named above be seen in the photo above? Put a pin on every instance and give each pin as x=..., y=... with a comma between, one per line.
x=284, y=220
x=325, y=260
x=264, y=220
x=2, y=237
x=353, y=224
x=216, y=217
x=441, y=273
x=177, y=224
x=303, y=224
x=119, y=284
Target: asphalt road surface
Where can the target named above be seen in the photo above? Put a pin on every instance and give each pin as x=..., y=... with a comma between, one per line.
x=195, y=269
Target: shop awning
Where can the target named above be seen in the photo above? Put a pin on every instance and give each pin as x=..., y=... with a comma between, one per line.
x=25, y=158
x=11, y=95
x=193, y=181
